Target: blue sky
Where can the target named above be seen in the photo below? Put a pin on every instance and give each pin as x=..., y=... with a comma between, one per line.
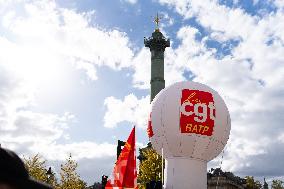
x=74, y=76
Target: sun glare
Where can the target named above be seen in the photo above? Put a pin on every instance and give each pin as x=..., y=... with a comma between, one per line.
x=40, y=69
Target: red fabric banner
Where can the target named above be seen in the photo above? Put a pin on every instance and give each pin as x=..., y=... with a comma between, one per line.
x=150, y=129
x=124, y=173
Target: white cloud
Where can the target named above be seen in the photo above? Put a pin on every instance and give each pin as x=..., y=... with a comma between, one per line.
x=281, y=137
x=29, y=132
x=20, y=126
x=79, y=150
x=212, y=15
x=131, y=109
x=142, y=67
x=88, y=67
x=279, y=4
x=60, y=35
x=131, y=1
x=166, y=20
x=39, y=44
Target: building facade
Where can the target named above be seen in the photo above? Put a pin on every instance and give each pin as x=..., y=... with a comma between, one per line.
x=217, y=179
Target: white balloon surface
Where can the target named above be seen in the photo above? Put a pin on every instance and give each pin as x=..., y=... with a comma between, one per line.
x=189, y=120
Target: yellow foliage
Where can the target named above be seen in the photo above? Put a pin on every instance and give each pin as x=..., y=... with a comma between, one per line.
x=251, y=183
x=277, y=184
x=150, y=168
x=37, y=169
x=69, y=178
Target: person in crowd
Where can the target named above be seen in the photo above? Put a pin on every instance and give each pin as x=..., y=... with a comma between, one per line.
x=14, y=175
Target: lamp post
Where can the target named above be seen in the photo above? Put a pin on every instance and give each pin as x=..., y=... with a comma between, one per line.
x=120, y=144
x=49, y=175
x=104, y=181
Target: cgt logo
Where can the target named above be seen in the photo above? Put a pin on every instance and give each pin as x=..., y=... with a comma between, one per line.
x=197, y=112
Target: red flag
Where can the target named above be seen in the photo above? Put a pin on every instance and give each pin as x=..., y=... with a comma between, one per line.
x=124, y=173
x=150, y=129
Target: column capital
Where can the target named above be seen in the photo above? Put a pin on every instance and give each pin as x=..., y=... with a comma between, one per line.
x=157, y=41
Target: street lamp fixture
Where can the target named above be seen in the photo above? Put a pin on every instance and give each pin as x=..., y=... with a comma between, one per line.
x=49, y=175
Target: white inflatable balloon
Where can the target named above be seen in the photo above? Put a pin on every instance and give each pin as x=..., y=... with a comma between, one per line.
x=191, y=122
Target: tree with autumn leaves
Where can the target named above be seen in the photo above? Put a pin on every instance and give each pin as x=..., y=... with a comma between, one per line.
x=255, y=184
x=36, y=167
x=150, y=167
x=252, y=184
x=69, y=178
x=277, y=184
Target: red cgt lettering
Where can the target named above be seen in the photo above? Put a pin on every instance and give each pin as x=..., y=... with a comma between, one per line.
x=197, y=112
